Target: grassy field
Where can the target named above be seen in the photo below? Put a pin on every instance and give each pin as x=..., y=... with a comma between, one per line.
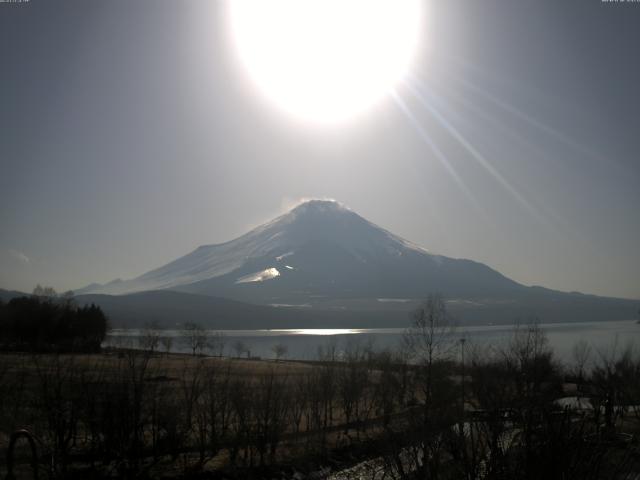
x=137, y=414
x=291, y=408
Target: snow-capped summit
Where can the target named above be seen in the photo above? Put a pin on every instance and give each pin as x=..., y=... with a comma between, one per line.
x=319, y=250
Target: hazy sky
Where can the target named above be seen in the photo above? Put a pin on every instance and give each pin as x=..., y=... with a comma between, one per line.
x=130, y=134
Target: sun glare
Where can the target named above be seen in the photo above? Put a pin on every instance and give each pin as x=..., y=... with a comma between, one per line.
x=326, y=60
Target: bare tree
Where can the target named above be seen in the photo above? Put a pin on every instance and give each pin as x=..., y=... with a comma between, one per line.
x=58, y=402
x=216, y=413
x=68, y=299
x=385, y=393
x=353, y=380
x=328, y=352
x=429, y=342
x=167, y=343
x=271, y=404
x=430, y=335
x=216, y=344
x=613, y=373
x=280, y=350
x=45, y=293
x=299, y=401
x=149, y=339
x=196, y=337
x=580, y=353
x=239, y=347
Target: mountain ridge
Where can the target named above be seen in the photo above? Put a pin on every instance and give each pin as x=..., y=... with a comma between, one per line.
x=323, y=264
x=172, y=309
x=310, y=237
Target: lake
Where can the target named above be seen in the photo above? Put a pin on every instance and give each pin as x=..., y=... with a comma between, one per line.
x=303, y=344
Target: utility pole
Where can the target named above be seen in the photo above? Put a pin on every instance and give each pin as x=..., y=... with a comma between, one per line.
x=462, y=343
x=461, y=425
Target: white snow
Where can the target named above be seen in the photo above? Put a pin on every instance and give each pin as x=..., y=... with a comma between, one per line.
x=327, y=223
x=284, y=255
x=266, y=274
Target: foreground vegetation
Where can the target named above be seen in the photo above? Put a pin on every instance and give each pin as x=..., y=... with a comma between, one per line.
x=48, y=322
x=436, y=409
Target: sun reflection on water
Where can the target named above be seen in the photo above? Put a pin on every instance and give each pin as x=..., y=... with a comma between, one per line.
x=317, y=331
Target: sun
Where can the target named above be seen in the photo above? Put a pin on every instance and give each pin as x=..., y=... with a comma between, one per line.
x=326, y=60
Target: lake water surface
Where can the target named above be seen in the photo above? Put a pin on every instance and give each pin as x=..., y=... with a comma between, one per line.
x=303, y=344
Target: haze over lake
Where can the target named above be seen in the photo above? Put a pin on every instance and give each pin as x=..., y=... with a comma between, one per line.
x=303, y=344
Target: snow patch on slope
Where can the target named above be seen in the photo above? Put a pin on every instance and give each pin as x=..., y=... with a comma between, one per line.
x=312, y=223
x=266, y=274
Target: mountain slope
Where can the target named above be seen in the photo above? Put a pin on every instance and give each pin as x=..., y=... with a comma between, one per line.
x=320, y=249
x=170, y=309
x=324, y=265
x=6, y=295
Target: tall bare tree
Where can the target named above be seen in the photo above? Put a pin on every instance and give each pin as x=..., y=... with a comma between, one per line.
x=196, y=336
x=280, y=350
x=149, y=337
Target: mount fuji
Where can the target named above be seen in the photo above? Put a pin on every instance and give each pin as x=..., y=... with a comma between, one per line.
x=323, y=256
x=318, y=250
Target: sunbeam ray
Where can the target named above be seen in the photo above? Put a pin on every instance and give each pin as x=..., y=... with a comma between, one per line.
x=507, y=129
x=541, y=126
x=435, y=149
x=477, y=156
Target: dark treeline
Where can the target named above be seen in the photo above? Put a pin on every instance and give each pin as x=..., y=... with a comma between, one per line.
x=435, y=409
x=47, y=322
